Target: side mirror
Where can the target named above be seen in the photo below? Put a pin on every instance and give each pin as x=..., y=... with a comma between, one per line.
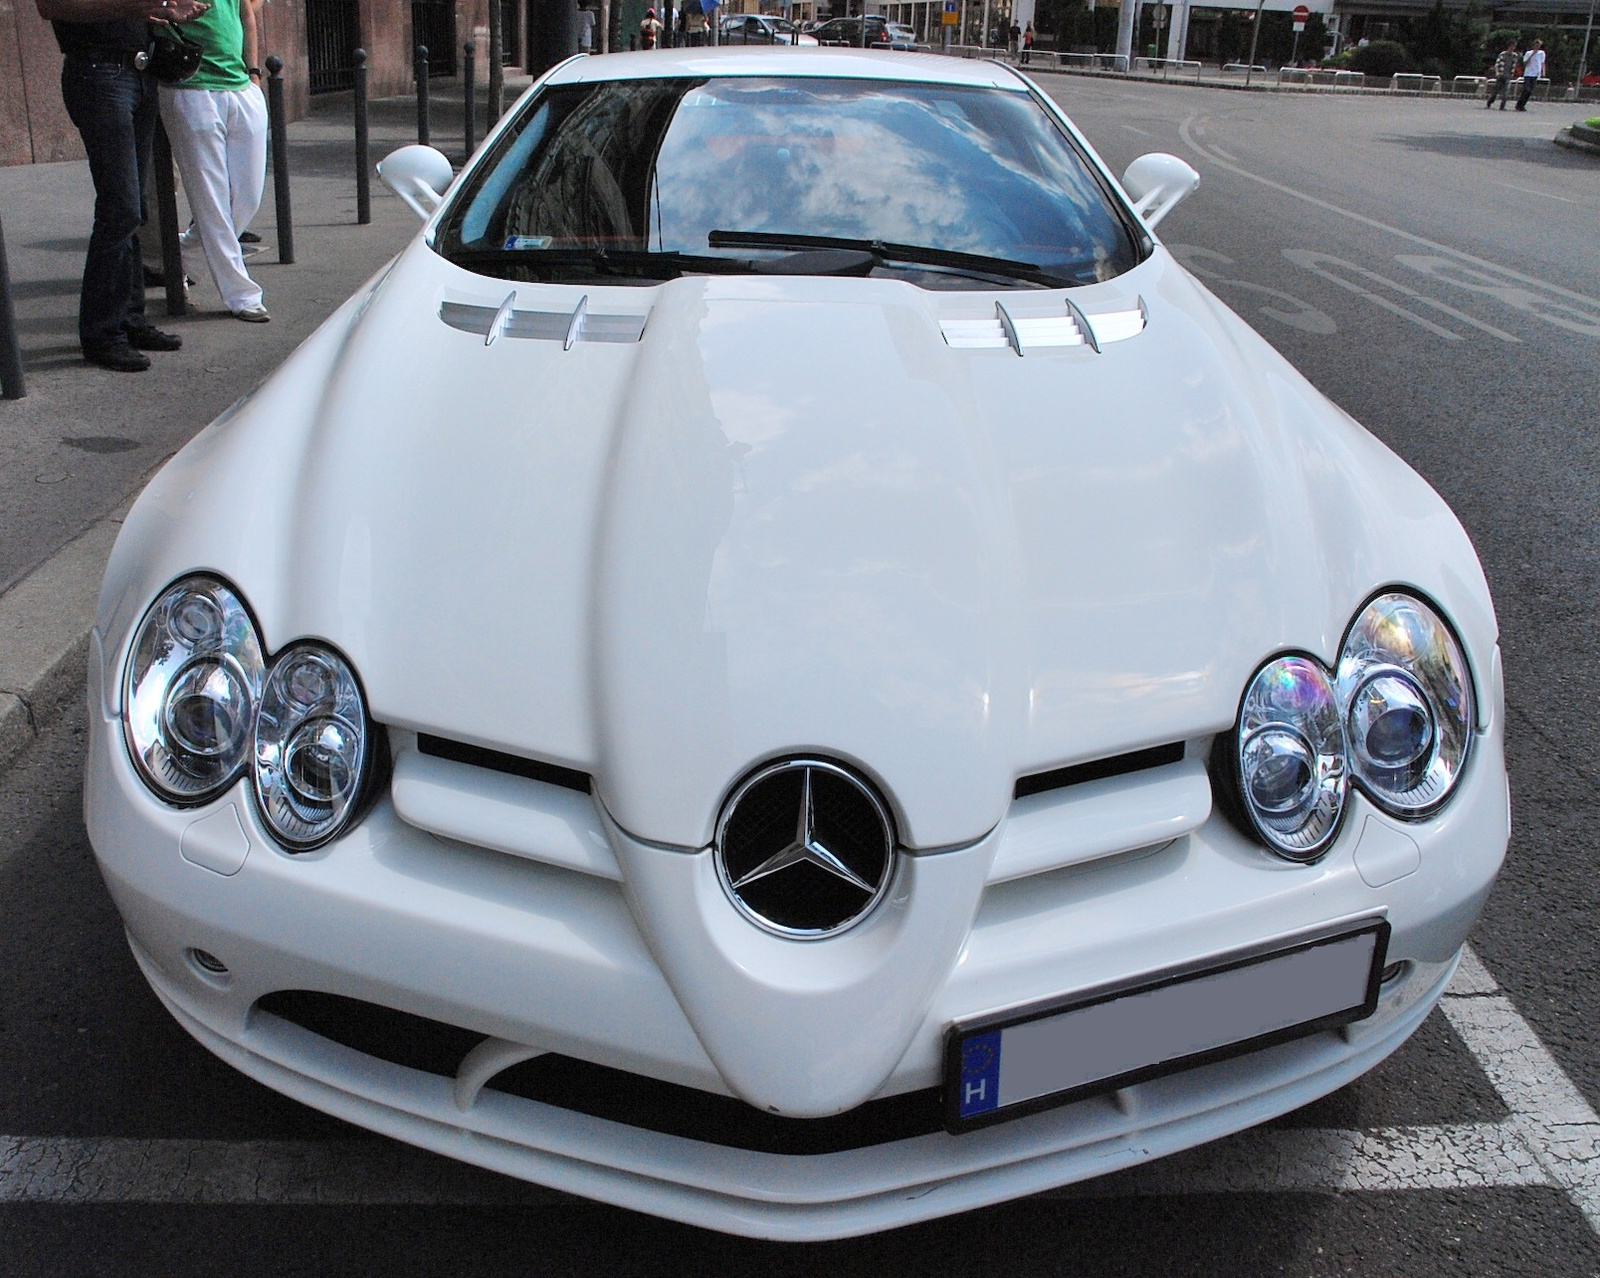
x=1156, y=182
x=419, y=175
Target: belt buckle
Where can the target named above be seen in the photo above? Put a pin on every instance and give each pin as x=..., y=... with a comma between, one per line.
x=141, y=60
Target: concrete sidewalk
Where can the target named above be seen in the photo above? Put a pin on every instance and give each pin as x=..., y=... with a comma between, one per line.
x=77, y=450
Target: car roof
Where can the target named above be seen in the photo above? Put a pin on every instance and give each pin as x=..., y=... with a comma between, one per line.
x=745, y=60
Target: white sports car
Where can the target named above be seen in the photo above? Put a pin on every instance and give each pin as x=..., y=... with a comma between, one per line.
x=1018, y=730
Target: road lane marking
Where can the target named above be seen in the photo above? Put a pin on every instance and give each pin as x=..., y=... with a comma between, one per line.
x=1571, y=318
x=1317, y=263
x=1559, y=1127
x=1528, y=190
x=1303, y=316
x=1131, y=129
x=1550, y=1139
x=1190, y=130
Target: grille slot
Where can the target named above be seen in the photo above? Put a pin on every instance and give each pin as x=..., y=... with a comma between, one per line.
x=1115, y=766
x=498, y=761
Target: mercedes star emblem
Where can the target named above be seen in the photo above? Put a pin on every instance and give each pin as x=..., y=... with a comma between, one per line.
x=804, y=848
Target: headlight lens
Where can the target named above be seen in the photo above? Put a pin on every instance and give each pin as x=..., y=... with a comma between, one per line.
x=311, y=746
x=1291, y=757
x=1408, y=704
x=194, y=677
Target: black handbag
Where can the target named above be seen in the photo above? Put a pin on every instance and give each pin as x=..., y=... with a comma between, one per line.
x=174, y=57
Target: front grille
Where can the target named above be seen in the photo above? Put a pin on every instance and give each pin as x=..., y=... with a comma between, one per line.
x=632, y=1099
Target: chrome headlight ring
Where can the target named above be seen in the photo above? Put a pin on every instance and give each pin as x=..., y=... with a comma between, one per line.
x=1290, y=757
x=312, y=746
x=1396, y=718
x=201, y=705
x=193, y=678
x=1409, y=710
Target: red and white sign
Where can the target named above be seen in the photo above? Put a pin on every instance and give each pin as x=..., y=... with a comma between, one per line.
x=1301, y=13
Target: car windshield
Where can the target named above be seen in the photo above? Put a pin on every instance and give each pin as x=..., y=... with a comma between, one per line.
x=650, y=178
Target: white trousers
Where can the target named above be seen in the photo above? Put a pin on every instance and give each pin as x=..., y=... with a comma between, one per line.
x=219, y=139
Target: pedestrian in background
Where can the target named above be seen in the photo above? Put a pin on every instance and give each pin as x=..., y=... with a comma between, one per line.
x=649, y=29
x=586, y=30
x=1532, y=73
x=1504, y=71
x=1013, y=37
x=694, y=23
x=1027, y=43
x=217, y=121
x=110, y=97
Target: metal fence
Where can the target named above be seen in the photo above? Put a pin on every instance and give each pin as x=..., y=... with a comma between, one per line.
x=332, y=35
x=510, y=33
x=433, y=23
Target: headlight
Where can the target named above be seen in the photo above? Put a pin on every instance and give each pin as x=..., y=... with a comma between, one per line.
x=1407, y=701
x=1396, y=718
x=311, y=748
x=193, y=679
x=1291, y=758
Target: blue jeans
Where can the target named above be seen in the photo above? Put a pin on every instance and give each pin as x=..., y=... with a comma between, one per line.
x=115, y=108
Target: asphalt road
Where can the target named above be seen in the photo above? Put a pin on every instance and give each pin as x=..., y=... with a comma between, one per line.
x=1431, y=267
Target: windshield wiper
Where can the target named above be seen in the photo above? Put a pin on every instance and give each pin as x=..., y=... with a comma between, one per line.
x=883, y=251
x=635, y=263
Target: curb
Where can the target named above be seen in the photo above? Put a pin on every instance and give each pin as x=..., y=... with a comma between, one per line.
x=45, y=621
x=1579, y=138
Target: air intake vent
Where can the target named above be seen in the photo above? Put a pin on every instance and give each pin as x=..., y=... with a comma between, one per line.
x=1012, y=325
x=567, y=327
x=1097, y=769
x=672, y=1110
x=498, y=761
x=394, y=1036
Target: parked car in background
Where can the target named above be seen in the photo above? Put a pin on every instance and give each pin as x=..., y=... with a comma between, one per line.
x=549, y=723
x=762, y=28
x=881, y=33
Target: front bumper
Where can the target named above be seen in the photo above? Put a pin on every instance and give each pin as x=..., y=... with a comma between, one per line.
x=540, y=958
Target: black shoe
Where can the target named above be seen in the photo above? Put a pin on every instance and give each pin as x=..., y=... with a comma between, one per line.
x=152, y=277
x=147, y=337
x=119, y=356
x=249, y=237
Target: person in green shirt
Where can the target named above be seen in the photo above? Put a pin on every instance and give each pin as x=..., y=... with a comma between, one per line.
x=217, y=121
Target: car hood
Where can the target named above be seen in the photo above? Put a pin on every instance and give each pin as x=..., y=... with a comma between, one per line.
x=792, y=517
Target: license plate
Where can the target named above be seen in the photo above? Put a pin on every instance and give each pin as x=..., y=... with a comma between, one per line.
x=1012, y=1063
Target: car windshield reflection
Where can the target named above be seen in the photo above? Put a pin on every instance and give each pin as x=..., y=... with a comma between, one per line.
x=655, y=166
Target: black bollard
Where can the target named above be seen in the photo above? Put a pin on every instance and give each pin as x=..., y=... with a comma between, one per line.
x=420, y=69
x=10, y=352
x=469, y=96
x=278, y=126
x=363, y=146
x=167, y=219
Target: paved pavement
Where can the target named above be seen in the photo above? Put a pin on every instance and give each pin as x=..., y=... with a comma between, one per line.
x=77, y=449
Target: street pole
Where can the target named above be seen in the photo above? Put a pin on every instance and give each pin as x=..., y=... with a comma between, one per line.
x=1255, y=35
x=1583, y=58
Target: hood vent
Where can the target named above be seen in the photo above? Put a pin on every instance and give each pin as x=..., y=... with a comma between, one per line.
x=567, y=327
x=1024, y=333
